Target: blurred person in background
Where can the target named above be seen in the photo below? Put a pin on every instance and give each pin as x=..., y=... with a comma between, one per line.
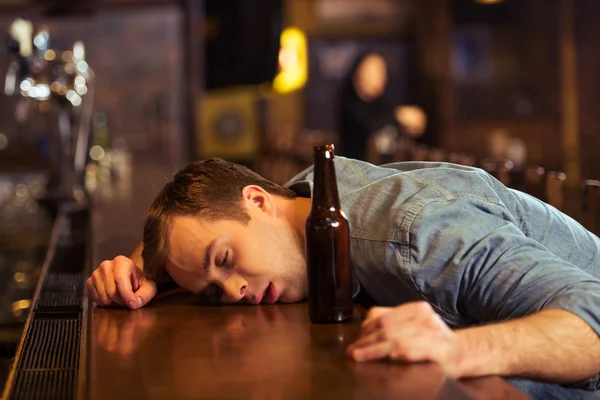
x=369, y=124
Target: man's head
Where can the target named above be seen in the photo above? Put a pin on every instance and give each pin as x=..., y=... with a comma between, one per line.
x=221, y=230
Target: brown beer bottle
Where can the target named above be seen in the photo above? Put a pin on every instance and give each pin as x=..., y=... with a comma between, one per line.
x=327, y=246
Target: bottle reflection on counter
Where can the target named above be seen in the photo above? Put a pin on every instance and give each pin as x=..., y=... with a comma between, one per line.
x=327, y=246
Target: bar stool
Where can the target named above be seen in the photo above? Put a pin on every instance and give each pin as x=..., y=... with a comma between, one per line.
x=555, y=189
x=590, y=205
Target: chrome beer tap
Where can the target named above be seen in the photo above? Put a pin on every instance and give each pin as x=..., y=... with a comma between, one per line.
x=38, y=73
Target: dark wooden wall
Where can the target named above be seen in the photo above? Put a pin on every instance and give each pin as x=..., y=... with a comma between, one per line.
x=587, y=30
x=521, y=96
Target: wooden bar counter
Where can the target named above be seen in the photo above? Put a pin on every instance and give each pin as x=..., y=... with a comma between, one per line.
x=186, y=351
x=175, y=349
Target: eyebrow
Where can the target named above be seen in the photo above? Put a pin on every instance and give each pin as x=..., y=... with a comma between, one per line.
x=207, y=255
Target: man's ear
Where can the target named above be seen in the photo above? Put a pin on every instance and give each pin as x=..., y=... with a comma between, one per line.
x=256, y=198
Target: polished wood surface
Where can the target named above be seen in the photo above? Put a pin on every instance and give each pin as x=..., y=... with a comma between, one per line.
x=184, y=351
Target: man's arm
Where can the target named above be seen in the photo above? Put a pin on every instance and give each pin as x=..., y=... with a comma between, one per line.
x=551, y=345
x=538, y=314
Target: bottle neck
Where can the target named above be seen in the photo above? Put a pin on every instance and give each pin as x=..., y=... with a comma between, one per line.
x=325, y=190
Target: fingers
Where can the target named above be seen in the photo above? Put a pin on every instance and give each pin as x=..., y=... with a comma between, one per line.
x=120, y=281
x=102, y=298
x=373, y=352
x=91, y=290
x=125, y=274
x=96, y=288
x=376, y=312
x=146, y=292
x=378, y=335
x=110, y=287
x=380, y=317
x=407, y=311
x=395, y=329
x=133, y=287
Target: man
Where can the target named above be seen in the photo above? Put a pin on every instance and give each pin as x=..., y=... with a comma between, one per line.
x=466, y=272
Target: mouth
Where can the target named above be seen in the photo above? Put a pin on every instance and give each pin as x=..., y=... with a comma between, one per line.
x=269, y=295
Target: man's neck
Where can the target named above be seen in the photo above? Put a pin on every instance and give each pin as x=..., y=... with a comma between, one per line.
x=296, y=211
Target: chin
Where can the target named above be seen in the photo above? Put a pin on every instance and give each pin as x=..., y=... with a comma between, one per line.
x=291, y=301
x=293, y=298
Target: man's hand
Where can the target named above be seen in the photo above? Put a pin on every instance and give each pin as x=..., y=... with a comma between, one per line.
x=412, y=332
x=413, y=119
x=120, y=281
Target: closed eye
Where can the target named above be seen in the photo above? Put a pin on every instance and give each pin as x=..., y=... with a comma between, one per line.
x=227, y=260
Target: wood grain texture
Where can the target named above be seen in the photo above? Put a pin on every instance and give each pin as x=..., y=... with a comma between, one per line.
x=178, y=350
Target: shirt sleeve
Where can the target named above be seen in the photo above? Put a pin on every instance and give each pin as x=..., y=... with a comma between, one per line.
x=469, y=259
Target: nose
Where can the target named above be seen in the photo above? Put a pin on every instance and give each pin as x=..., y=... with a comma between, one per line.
x=234, y=288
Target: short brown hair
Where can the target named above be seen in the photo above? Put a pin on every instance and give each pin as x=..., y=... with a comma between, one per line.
x=210, y=189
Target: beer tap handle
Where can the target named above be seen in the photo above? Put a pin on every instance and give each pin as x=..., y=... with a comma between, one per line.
x=21, y=39
x=13, y=71
x=18, y=43
x=10, y=83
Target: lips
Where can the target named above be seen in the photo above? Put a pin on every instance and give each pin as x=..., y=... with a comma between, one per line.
x=270, y=295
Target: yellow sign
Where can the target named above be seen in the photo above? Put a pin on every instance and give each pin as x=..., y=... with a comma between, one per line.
x=293, y=61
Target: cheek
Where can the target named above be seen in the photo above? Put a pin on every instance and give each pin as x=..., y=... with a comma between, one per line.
x=265, y=251
x=251, y=258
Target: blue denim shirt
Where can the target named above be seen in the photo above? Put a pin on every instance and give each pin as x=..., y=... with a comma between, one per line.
x=457, y=238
